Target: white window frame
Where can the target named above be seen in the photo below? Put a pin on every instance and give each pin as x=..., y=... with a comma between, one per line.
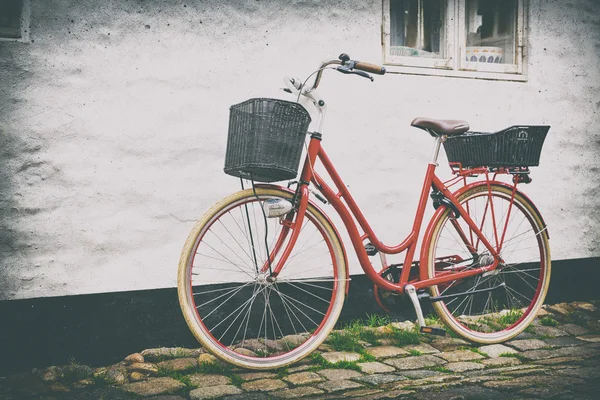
x=25, y=21
x=455, y=63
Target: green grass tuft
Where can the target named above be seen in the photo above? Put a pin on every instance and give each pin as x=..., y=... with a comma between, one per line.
x=323, y=363
x=375, y=321
x=236, y=380
x=433, y=319
x=548, y=321
x=403, y=338
x=344, y=341
x=366, y=357
x=510, y=318
x=415, y=353
x=282, y=372
x=214, y=368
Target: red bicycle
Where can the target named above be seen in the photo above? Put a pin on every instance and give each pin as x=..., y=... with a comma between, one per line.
x=263, y=275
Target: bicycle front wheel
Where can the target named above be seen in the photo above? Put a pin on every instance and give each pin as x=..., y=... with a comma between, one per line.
x=504, y=301
x=230, y=303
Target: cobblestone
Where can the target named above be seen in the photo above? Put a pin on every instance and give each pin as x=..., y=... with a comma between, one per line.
x=448, y=344
x=379, y=379
x=386, y=351
x=495, y=350
x=154, y=386
x=213, y=392
x=415, y=362
x=303, y=378
x=337, y=386
x=339, y=374
x=463, y=366
x=460, y=355
x=375, y=367
x=529, y=344
x=558, y=362
x=297, y=392
x=337, y=356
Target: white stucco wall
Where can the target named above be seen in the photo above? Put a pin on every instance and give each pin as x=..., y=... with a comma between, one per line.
x=113, y=124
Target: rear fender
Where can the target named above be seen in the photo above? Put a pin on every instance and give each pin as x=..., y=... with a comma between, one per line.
x=457, y=194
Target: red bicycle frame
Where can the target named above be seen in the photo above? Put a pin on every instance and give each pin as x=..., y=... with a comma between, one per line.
x=350, y=211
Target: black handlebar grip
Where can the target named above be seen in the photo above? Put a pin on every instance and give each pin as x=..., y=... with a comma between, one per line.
x=372, y=68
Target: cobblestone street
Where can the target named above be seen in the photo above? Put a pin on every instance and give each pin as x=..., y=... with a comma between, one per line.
x=558, y=357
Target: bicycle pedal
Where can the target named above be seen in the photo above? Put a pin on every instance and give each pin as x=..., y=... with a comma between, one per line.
x=433, y=331
x=370, y=249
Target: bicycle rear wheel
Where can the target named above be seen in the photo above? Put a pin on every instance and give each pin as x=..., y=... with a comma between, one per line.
x=513, y=293
x=228, y=300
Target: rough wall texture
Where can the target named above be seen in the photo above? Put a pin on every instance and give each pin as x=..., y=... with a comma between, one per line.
x=113, y=124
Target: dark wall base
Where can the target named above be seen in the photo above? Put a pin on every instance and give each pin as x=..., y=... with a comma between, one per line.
x=101, y=329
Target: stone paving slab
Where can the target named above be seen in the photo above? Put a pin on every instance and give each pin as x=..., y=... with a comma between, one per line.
x=420, y=373
x=590, y=338
x=153, y=386
x=463, y=366
x=501, y=361
x=375, y=367
x=564, y=341
x=379, y=379
x=448, y=344
x=213, y=392
x=337, y=356
x=495, y=350
x=417, y=362
x=528, y=344
x=294, y=393
x=337, y=386
x=264, y=385
x=574, y=330
x=422, y=348
x=549, y=331
x=250, y=376
x=460, y=355
x=205, y=380
x=303, y=378
x=339, y=374
x=386, y=351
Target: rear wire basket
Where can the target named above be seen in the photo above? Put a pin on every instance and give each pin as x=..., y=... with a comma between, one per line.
x=517, y=146
x=265, y=139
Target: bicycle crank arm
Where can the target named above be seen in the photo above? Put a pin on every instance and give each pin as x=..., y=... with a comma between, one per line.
x=451, y=296
x=412, y=294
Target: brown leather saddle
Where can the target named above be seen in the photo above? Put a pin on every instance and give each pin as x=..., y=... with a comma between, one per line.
x=440, y=127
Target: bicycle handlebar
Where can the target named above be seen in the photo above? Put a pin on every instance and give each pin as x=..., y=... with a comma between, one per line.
x=372, y=68
x=349, y=65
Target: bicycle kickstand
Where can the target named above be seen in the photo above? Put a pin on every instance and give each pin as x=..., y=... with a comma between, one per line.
x=412, y=294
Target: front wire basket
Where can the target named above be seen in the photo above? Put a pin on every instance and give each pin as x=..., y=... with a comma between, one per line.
x=265, y=139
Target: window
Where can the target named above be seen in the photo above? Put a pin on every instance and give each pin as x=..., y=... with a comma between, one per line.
x=471, y=38
x=14, y=20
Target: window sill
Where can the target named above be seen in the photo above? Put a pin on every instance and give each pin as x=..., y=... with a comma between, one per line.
x=443, y=72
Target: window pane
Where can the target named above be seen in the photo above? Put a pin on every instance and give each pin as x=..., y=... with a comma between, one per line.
x=491, y=31
x=10, y=18
x=417, y=28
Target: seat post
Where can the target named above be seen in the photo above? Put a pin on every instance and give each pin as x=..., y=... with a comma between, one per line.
x=436, y=150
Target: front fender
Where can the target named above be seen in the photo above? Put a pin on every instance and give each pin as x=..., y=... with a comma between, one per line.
x=313, y=204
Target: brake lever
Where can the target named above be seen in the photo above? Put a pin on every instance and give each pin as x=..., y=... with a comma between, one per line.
x=346, y=70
